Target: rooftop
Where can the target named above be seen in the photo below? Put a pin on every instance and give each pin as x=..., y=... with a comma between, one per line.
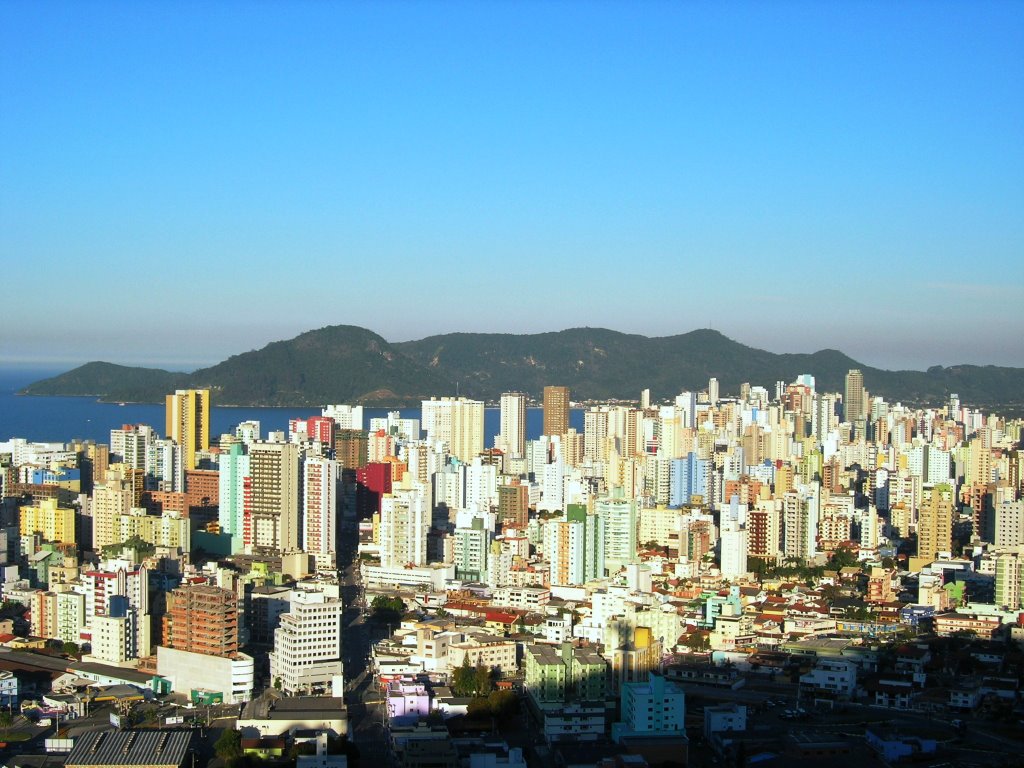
x=127, y=748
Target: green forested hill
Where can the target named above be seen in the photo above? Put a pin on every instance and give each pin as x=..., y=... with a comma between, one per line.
x=351, y=364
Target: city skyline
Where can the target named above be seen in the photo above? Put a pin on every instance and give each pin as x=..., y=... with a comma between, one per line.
x=797, y=176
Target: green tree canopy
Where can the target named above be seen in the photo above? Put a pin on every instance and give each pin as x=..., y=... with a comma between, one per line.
x=472, y=681
x=228, y=745
x=387, y=610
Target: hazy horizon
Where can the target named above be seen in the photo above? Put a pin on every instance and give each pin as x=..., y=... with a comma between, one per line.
x=58, y=366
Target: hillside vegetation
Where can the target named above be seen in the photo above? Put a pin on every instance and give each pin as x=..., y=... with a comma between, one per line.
x=350, y=364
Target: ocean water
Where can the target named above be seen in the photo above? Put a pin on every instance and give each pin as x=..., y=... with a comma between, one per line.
x=61, y=419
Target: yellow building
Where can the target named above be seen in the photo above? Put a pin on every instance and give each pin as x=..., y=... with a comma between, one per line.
x=934, y=525
x=53, y=523
x=167, y=530
x=188, y=422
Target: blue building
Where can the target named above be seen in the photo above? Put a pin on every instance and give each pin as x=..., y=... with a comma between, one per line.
x=689, y=476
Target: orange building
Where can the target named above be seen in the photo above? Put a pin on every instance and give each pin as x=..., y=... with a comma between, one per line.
x=201, y=619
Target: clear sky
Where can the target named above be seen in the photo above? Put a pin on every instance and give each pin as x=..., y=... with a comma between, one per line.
x=180, y=182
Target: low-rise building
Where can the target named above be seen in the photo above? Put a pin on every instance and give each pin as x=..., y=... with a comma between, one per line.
x=835, y=678
x=724, y=717
x=652, y=708
x=232, y=676
x=149, y=749
x=947, y=624
x=273, y=716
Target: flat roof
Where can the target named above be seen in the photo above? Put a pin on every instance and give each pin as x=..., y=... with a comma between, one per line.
x=309, y=704
x=118, y=673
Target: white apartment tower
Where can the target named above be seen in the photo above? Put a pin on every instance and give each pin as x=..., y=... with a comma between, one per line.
x=307, y=644
x=345, y=416
x=320, y=477
x=404, y=522
x=456, y=421
x=512, y=438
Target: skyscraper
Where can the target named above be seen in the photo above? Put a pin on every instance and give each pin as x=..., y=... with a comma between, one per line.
x=276, y=471
x=853, y=396
x=556, y=410
x=457, y=422
x=307, y=644
x=404, y=522
x=188, y=422
x=320, y=508
x=512, y=438
x=935, y=523
x=235, y=494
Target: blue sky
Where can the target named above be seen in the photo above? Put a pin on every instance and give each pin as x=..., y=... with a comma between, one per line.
x=181, y=182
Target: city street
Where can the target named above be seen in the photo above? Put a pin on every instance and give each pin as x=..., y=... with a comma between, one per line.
x=366, y=723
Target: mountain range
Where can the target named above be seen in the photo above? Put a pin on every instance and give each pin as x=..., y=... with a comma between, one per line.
x=348, y=364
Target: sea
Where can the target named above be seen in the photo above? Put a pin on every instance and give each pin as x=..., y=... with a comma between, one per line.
x=62, y=419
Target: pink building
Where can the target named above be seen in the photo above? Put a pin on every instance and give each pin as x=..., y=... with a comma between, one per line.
x=407, y=697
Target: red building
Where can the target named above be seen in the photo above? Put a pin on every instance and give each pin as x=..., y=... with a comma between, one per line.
x=318, y=428
x=372, y=482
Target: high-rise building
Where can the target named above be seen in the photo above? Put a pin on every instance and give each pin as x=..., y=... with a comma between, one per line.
x=470, y=548
x=235, y=491
x=188, y=422
x=935, y=523
x=109, y=499
x=351, y=448
x=514, y=505
x=800, y=511
x=404, y=523
x=556, y=411
x=53, y=522
x=853, y=396
x=574, y=547
x=202, y=619
x=512, y=438
x=619, y=517
x=1009, y=583
x=307, y=645
x=316, y=428
x=320, y=479
x=128, y=445
x=764, y=530
x=456, y=421
x=595, y=434
x=276, y=471
x=345, y=416
x=713, y=391
x=733, y=542
x=690, y=476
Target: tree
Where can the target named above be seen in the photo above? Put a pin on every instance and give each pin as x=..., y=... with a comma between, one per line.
x=142, y=548
x=698, y=642
x=6, y=720
x=482, y=680
x=478, y=707
x=503, y=703
x=843, y=557
x=228, y=745
x=464, y=679
x=70, y=649
x=387, y=610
